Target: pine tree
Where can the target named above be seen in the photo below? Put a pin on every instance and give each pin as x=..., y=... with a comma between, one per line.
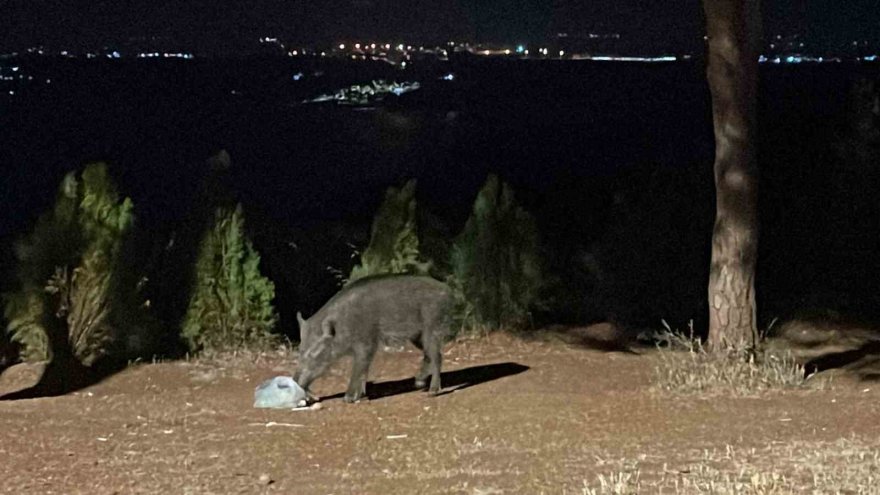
x=733, y=29
x=68, y=271
x=394, y=239
x=231, y=303
x=496, y=262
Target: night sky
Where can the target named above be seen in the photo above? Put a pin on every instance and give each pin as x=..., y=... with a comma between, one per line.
x=219, y=25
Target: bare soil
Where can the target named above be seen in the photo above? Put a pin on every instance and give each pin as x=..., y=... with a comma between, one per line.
x=540, y=416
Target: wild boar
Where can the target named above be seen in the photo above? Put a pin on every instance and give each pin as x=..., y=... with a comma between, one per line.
x=385, y=308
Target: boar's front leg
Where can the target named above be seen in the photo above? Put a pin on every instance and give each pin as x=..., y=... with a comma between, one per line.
x=425, y=369
x=357, y=386
x=433, y=353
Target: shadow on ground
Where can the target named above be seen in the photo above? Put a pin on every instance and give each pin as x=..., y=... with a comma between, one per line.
x=604, y=337
x=826, y=344
x=863, y=362
x=60, y=379
x=451, y=380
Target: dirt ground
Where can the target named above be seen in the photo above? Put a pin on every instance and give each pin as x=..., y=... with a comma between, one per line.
x=516, y=417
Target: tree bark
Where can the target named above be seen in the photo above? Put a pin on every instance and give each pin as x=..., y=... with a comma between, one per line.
x=734, y=34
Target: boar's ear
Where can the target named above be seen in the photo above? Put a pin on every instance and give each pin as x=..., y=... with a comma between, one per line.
x=329, y=329
x=300, y=320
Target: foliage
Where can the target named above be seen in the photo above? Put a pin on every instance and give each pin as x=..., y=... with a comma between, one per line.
x=24, y=310
x=394, y=239
x=231, y=302
x=686, y=366
x=496, y=267
x=68, y=271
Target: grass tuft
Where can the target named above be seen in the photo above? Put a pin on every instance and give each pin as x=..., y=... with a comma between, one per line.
x=849, y=466
x=686, y=366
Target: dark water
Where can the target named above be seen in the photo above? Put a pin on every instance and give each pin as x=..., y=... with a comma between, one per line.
x=614, y=160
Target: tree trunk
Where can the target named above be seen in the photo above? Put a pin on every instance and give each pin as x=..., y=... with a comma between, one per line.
x=734, y=33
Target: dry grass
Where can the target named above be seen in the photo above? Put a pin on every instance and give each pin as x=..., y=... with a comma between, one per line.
x=245, y=356
x=847, y=466
x=686, y=366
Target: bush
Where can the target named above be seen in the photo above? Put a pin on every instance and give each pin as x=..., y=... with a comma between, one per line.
x=496, y=266
x=69, y=274
x=231, y=302
x=394, y=239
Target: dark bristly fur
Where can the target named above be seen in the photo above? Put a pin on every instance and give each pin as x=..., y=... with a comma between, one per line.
x=373, y=310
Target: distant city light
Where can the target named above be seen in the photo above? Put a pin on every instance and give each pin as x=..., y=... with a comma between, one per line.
x=297, y=76
x=782, y=49
x=449, y=77
x=633, y=59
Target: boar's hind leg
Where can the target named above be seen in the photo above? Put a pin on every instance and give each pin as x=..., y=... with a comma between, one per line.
x=357, y=386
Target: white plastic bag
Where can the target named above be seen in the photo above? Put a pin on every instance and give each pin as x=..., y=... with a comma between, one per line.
x=280, y=392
